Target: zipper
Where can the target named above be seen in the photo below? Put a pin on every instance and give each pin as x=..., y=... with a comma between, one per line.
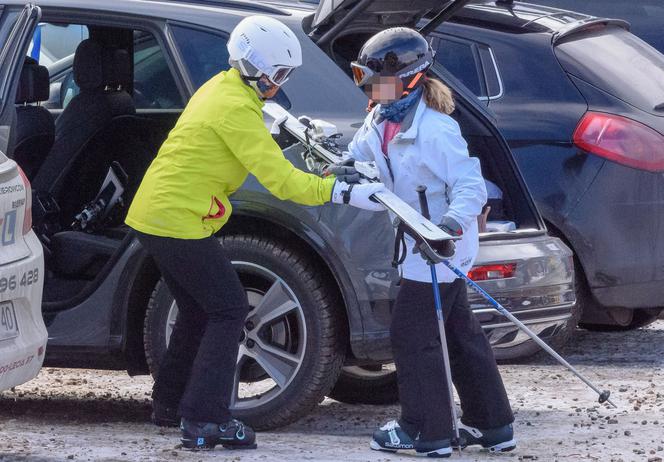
x=387, y=159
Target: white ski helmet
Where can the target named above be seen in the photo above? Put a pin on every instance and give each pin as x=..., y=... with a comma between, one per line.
x=260, y=45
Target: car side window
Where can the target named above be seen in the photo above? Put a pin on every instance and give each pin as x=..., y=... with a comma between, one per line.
x=461, y=60
x=153, y=85
x=204, y=53
x=473, y=64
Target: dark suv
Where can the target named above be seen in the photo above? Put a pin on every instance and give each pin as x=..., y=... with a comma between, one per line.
x=319, y=279
x=645, y=17
x=580, y=101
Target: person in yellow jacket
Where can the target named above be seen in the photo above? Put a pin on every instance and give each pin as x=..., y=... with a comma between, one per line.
x=183, y=201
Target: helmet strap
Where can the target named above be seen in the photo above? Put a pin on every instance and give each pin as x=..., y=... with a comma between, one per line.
x=259, y=87
x=415, y=82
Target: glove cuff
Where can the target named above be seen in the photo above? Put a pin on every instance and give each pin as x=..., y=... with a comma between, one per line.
x=451, y=226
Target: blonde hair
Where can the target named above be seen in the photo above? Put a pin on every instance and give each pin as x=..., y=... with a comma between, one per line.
x=438, y=96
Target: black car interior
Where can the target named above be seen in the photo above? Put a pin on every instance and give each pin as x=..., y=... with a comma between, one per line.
x=102, y=75
x=68, y=160
x=35, y=128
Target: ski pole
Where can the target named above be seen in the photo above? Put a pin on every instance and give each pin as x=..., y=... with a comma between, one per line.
x=421, y=191
x=603, y=394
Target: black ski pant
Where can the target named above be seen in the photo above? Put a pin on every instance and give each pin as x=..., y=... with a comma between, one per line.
x=198, y=370
x=425, y=404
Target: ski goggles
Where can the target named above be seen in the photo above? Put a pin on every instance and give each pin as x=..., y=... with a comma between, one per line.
x=280, y=74
x=362, y=75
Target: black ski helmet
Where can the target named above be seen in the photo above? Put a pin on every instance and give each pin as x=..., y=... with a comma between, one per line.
x=398, y=51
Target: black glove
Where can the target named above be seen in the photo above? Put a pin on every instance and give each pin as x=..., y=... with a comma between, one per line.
x=344, y=171
x=453, y=228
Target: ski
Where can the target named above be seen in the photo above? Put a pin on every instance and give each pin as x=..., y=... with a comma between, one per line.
x=318, y=138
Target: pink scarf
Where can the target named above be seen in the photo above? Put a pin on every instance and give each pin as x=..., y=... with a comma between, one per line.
x=390, y=131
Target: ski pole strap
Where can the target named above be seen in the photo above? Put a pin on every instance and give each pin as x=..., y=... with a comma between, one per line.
x=400, y=248
x=345, y=194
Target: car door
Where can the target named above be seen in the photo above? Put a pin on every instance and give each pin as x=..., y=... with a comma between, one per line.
x=16, y=27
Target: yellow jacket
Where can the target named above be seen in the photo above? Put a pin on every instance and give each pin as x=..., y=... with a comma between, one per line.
x=218, y=140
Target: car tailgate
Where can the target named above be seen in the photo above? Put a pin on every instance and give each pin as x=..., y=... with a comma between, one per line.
x=542, y=275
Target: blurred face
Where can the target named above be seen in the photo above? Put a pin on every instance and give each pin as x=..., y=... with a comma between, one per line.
x=268, y=89
x=384, y=89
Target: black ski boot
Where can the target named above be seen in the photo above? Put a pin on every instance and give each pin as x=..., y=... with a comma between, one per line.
x=438, y=448
x=205, y=435
x=500, y=439
x=392, y=438
x=164, y=416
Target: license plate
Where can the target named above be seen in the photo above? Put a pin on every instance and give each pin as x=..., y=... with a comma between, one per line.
x=8, y=324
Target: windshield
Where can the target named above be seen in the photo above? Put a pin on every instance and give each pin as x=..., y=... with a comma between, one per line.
x=619, y=63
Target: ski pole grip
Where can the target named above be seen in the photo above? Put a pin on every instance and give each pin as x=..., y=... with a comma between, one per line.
x=424, y=204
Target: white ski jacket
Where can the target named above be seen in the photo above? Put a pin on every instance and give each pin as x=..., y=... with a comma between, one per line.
x=429, y=150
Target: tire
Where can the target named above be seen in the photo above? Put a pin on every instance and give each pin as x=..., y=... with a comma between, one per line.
x=367, y=385
x=641, y=317
x=309, y=335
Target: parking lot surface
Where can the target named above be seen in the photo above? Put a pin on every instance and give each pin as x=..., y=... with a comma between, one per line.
x=68, y=414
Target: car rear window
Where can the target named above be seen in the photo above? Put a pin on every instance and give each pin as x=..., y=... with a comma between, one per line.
x=619, y=63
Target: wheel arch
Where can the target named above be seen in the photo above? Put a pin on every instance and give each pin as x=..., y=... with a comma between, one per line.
x=142, y=282
x=556, y=231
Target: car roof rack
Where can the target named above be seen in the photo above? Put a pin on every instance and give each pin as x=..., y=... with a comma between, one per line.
x=241, y=4
x=586, y=24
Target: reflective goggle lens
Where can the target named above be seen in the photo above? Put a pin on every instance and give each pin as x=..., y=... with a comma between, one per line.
x=281, y=75
x=358, y=74
x=362, y=75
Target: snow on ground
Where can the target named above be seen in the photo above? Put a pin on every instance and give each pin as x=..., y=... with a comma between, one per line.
x=90, y=415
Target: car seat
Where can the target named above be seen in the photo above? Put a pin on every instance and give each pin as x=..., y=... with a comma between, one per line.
x=102, y=74
x=35, y=129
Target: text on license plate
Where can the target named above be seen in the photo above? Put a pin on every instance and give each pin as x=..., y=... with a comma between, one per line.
x=8, y=325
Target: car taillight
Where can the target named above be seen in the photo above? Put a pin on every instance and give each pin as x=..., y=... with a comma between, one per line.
x=487, y=272
x=27, y=217
x=621, y=140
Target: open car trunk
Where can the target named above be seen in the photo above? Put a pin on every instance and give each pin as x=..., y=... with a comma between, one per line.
x=333, y=17
x=512, y=211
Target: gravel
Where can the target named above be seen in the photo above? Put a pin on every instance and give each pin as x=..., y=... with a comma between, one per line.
x=90, y=415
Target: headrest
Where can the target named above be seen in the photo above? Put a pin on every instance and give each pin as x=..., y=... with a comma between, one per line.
x=96, y=66
x=120, y=70
x=34, y=83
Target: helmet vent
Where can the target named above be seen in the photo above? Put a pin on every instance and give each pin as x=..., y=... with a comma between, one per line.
x=289, y=53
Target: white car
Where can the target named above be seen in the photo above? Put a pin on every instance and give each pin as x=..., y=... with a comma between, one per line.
x=22, y=331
